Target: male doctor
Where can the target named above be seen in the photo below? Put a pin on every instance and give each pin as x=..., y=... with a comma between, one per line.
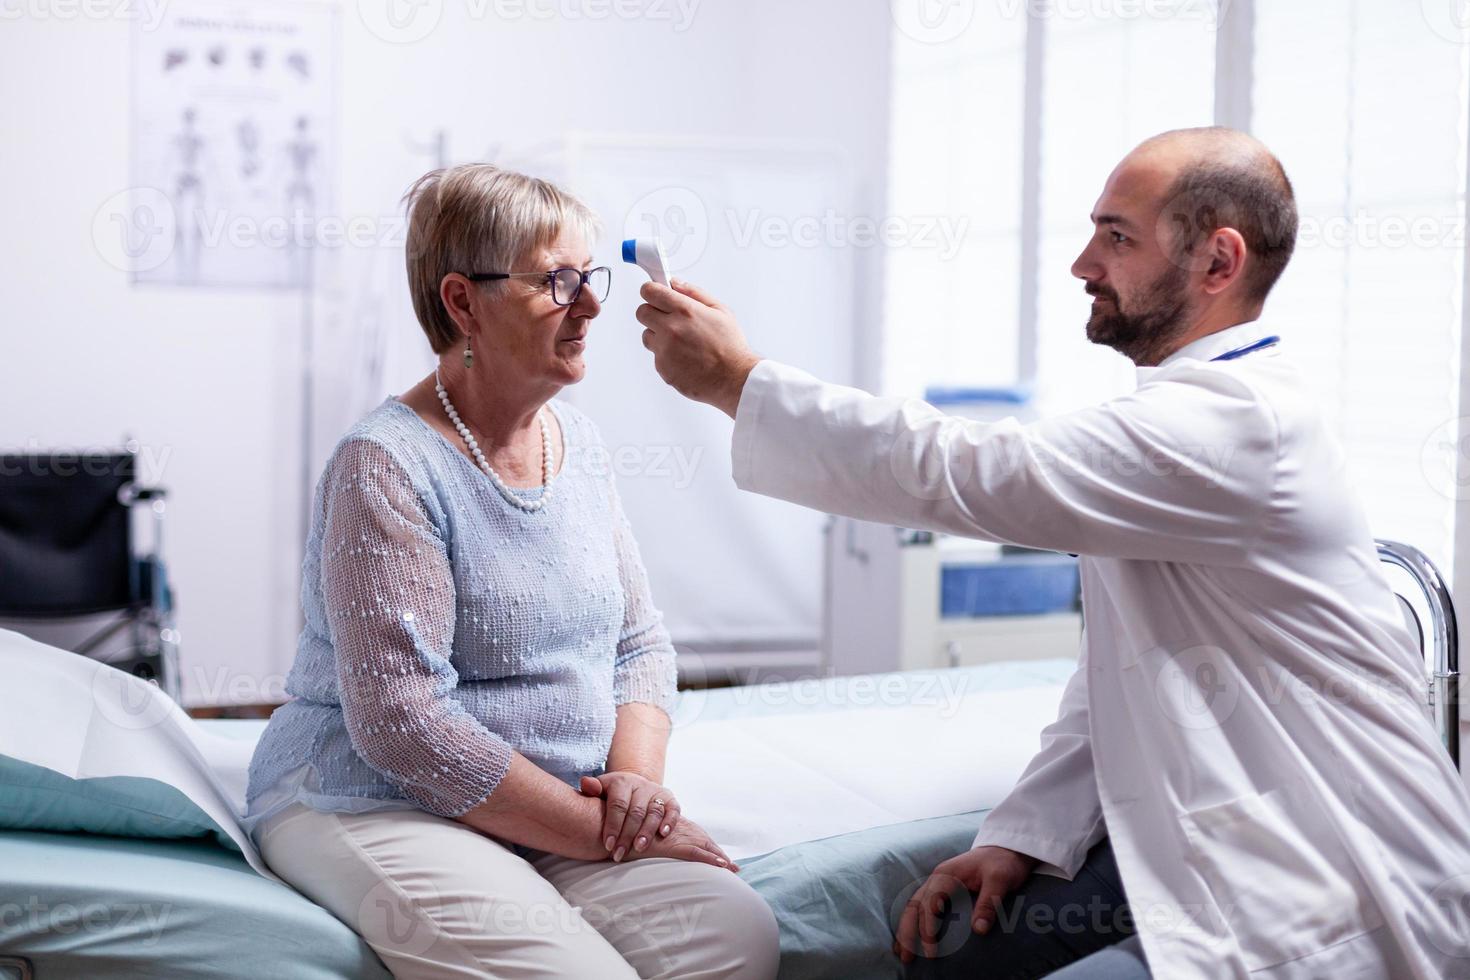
x=1246, y=740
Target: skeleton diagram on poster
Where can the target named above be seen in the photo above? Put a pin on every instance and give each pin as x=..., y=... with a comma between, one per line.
x=232, y=127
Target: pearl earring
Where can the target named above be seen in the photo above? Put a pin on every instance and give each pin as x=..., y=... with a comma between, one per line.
x=469, y=355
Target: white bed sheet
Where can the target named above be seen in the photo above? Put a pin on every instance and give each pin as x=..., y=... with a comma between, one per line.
x=755, y=783
x=761, y=783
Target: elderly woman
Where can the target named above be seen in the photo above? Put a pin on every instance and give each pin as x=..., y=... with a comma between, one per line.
x=470, y=773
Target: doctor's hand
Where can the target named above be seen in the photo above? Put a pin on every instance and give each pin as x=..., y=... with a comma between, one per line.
x=992, y=872
x=697, y=346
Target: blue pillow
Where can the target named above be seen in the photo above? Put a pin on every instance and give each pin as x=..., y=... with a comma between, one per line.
x=36, y=798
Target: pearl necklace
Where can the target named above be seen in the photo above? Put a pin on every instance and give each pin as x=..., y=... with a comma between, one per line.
x=469, y=440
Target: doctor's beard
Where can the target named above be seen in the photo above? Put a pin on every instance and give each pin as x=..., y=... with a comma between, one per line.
x=1146, y=331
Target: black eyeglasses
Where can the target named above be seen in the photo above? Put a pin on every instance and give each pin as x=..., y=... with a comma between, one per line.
x=566, y=283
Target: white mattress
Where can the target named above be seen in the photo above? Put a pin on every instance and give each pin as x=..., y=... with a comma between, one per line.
x=755, y=781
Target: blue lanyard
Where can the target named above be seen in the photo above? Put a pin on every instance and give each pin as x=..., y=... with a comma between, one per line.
x=1261, y=344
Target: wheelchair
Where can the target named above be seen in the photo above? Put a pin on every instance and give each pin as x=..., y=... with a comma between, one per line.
x=71, y=572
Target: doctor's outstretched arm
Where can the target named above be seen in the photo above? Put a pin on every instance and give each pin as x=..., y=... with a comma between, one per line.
x=1180, y=470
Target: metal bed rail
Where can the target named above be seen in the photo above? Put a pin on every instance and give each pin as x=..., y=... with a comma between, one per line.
x=1443, y=637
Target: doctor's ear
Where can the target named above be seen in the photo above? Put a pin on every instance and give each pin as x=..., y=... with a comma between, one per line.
x=1225, y=258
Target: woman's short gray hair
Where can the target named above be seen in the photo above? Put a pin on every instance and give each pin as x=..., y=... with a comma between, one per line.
x=479, y=218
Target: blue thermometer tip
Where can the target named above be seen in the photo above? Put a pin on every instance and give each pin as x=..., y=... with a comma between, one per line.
x=630, y=250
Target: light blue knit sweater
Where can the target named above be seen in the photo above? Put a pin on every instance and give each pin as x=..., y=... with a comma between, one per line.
x=446, y=627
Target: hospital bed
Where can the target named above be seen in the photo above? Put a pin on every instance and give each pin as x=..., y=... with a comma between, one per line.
x=865, y=784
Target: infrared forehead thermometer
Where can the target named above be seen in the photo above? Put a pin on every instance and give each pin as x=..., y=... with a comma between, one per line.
x=648, y=255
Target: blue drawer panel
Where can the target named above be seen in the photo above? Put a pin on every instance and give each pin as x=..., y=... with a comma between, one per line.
x=1026, y=586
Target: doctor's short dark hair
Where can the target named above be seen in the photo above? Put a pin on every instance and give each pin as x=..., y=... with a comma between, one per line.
x=1254, y=197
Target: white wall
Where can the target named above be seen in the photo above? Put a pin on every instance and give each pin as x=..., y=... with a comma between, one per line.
x=207, y=379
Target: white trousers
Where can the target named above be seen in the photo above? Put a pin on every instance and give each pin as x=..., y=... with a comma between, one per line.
x=436, y=899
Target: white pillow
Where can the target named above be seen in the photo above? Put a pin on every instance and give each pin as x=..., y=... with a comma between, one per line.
x=85, y=720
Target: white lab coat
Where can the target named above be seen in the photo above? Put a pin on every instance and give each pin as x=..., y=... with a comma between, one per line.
x=1249, y=720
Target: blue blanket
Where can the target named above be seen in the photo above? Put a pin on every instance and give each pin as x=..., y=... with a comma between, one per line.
x=95, y=907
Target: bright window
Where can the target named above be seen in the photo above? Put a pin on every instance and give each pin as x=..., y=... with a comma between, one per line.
x=955, y=138
x=1364, y=102
x=1365, y=106
x=1109, y=83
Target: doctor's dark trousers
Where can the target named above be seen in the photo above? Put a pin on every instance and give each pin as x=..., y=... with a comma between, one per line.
x=1066, y=930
